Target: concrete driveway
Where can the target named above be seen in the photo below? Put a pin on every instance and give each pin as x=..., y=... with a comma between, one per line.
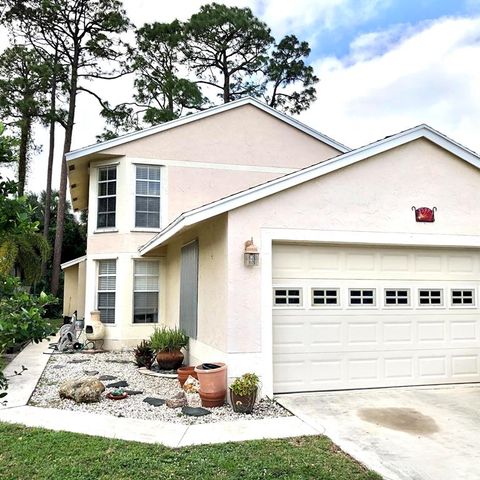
x=416, y=433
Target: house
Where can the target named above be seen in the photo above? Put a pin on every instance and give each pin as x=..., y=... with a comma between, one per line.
x=353, y=288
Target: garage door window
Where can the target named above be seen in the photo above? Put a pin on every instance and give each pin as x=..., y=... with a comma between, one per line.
x=283, y=297
x=463, y=298
x=430, y=298
x=397, y=297
x=362, y=296
x=324, y=296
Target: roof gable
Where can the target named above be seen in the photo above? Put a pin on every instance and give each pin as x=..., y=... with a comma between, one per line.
x=309, y=173
x=129, y=137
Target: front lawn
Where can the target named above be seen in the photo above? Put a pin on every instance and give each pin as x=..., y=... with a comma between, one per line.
x=32, y=453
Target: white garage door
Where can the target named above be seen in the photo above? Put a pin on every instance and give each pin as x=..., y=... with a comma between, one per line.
x=374, y=317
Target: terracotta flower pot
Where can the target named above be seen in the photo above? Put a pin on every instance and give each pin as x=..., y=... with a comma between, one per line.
x=213, y=384
x=243, y=403
x=215, y=399
x=184, y=372
x=170, y=360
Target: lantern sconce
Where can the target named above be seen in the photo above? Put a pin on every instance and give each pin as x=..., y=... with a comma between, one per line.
x=251, y=257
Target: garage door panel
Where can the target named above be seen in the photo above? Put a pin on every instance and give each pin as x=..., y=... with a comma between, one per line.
x=327, y=348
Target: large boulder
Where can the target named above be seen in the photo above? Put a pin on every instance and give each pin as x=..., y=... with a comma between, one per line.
x=83, y=390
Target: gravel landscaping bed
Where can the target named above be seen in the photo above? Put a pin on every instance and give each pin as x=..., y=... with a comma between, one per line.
x=63, y=367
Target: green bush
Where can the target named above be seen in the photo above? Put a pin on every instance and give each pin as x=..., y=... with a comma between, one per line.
x=166, y=339
x=21, y=317
x=247, y=384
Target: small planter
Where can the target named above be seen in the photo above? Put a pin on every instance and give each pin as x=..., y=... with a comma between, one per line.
x=170, y=360
x=184, y=372
x=243, y=403
x=111, y=396
x=213, y=383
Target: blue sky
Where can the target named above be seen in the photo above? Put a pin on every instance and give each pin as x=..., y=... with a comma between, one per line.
x=413, y=12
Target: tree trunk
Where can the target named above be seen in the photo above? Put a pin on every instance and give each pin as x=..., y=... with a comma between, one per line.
x=62, y=194
x=51, y=151
x=26, y=125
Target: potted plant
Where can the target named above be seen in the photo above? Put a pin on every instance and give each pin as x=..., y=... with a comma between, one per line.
x=243, y=392
x=167, y=343
x=144, y=355
x=117, y=394
x=213, y=383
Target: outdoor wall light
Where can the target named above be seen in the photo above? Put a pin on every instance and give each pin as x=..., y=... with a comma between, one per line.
x=251, y=257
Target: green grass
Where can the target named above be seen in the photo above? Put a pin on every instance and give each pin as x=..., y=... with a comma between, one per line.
x=31, y=453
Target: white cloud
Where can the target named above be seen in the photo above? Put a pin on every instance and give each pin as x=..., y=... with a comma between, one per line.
x=324, y=15
x=429, y=75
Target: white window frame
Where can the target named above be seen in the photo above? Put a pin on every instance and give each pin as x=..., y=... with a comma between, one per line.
x=157, y=291
x=325, y=297
x=159, y=196
x=430, y=305
x=287, y=296
x=397, y=305
x=99, y=182
x=462, y=305
x=114, y=291
x=362, y=305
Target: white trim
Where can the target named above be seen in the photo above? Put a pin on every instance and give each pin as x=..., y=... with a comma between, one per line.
x=268, y=236
x=129, y=137
x=73, y=262
x=211, y=165
x=304, y=175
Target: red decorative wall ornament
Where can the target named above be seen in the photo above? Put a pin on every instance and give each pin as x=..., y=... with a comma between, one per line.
x=424, y=214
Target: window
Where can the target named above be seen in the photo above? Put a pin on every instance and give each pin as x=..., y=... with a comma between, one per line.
x=462, y=297
x=107, y=273
x=107, y=196
x=430, y=297
x=287, y=296
x=147, y=200
x=145, y=292
x=397, y=297
x=362, y=296
x=328, y=296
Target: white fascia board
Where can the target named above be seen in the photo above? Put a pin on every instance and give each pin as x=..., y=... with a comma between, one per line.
x=291, y=180
x=98, y=147
x=73, y=262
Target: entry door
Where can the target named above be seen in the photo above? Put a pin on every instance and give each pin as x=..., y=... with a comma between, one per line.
x=189, y=289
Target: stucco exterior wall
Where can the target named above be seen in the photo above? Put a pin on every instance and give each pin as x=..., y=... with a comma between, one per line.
x=242, y=136
x=70, y=288
x=210, y=344
x=74, y=290
x=375, y=195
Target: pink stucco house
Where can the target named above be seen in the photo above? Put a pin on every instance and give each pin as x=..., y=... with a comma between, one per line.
x=351, y=287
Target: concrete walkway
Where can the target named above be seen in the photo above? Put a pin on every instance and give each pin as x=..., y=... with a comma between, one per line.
x=169, y=434
x=416, y=433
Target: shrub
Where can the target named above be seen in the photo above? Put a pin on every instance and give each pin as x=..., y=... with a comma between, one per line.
x=21, y=317
x=144, y=354
x=247, y=384
x=166, y=339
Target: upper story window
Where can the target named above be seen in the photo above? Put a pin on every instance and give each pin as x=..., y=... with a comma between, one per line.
x=107, y=196
x=147, y=198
